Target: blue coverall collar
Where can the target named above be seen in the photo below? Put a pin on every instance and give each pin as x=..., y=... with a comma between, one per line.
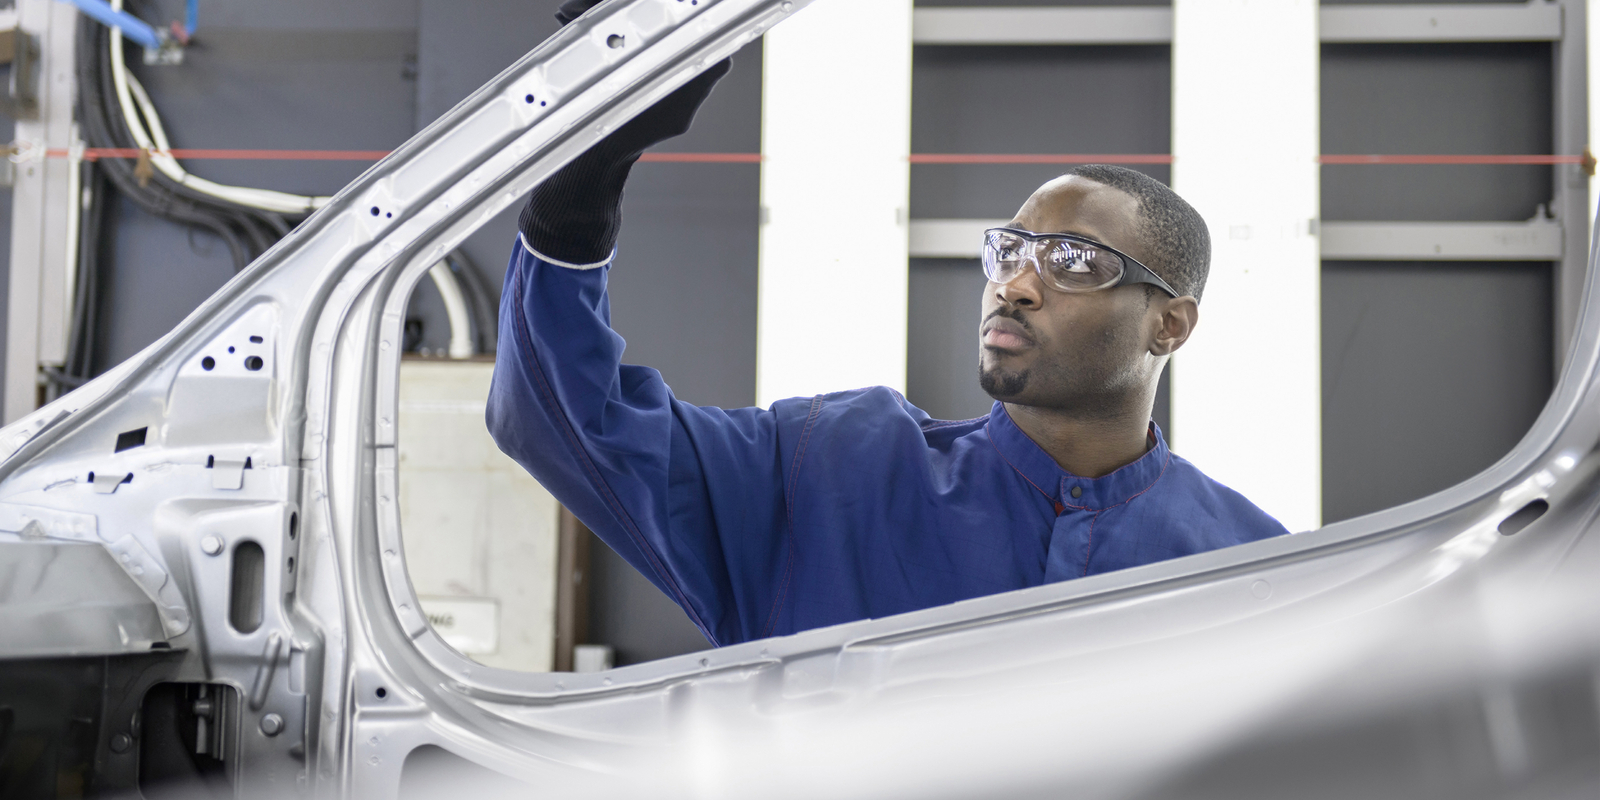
x=1039, y=469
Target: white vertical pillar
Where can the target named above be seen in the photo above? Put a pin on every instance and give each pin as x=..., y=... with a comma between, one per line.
x=835, y=137
x=1246, y=389
x=44, y=212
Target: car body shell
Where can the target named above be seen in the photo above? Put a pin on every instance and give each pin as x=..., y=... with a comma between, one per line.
x=1267, y=668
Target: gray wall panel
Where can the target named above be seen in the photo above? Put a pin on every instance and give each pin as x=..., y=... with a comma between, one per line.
x=1016, y=3
x=1403, y=2
x=276, y=77
x=1431, y=372
x=1030, y=100
x=942, y=339
x=1463, y=99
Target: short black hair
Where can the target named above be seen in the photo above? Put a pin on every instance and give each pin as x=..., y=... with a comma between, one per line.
x=1175, y=235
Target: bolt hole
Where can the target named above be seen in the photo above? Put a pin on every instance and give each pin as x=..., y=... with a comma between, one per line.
x=390, y=215
x=374, y=211
x=294, y=526
x=616, y=41
x=230, y=349
x=528, y=99
x=382, y=692
x=291, y=566
x=254, y=363
x=1523, y=517
x=208, y=363
x=541, y=104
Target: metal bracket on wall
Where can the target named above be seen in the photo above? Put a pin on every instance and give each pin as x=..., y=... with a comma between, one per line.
x=1535, y=240
x=19, y=56
x=1081, y=25
x=1535, y=21
x=1539, y=239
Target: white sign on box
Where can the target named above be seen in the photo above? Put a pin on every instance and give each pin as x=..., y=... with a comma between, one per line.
x=469, y=624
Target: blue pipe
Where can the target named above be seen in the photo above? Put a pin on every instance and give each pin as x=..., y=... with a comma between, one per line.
x=134, y=29
x=191, y=17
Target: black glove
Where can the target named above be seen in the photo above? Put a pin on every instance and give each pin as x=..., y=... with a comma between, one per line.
x=575, y=215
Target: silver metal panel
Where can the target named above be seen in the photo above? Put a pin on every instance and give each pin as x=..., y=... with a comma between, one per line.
x=1442, y=241
x=71, y=598
x=1080, y=25
x=1489, y=22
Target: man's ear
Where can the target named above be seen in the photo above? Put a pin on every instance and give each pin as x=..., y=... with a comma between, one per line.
x=1176, y=319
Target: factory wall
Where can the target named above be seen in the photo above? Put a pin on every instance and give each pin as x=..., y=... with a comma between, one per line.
x=1431, y=370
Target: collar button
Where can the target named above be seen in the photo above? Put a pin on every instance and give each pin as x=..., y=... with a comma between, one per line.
x=1077, y=491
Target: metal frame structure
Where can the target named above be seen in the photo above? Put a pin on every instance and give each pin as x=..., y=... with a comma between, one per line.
x=266, y=422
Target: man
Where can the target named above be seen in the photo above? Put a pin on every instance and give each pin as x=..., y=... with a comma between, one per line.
x=852, y=505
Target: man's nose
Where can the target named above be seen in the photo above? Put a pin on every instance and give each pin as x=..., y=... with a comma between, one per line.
x=1024, y=290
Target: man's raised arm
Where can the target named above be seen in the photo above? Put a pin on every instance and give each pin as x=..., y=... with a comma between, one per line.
x=691, y=497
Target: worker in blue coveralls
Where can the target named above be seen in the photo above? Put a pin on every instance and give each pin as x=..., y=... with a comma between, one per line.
x=857, y=504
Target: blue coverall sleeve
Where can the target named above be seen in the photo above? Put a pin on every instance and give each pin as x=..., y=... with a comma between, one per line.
x=692, y=497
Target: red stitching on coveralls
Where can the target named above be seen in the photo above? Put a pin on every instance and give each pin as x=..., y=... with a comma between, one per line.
x=788, y=500
x=1088, y=546
x=577, y=445
x=1024, y=475
x=945, y=423
x=799, y=455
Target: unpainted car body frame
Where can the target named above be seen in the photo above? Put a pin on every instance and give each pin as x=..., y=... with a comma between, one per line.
x=266, y=431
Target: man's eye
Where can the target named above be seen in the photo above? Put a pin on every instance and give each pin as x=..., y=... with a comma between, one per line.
x=1070, y=260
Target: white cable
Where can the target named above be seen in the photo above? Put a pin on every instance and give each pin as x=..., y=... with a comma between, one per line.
x=129, y=90
x=455, y=306
x=169, y=166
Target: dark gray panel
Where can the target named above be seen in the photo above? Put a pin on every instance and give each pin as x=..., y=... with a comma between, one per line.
x=1015, y=3
x=461, y=45
x=1431, y=372
x=942, y=338
x=301, y=14
x=1471, y=99
x=1403, y=2
x=344, y=87
x=1030, y=100
x=942, y=346
x=159, y=272
x=684, y=283
x=275, y=89
x=629, y=613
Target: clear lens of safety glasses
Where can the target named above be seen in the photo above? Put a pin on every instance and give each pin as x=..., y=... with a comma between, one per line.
x=1066, y=264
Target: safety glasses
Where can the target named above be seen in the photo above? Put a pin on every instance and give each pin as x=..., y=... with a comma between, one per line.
x=1065, y=262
